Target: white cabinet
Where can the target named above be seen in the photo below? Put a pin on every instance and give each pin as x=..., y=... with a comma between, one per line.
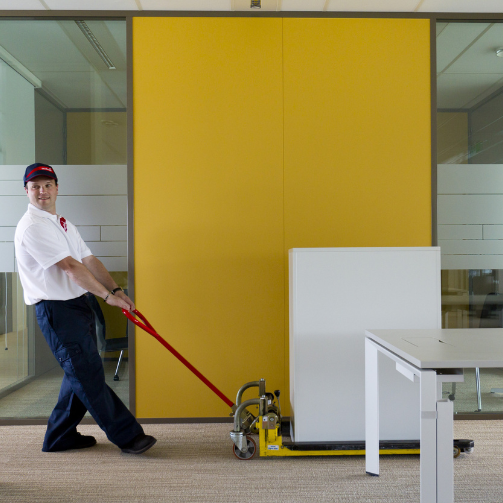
x=335, y=294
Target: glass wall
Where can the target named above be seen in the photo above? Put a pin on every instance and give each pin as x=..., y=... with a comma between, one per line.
x=14, y=347
x=470, y=192
x=63, y=102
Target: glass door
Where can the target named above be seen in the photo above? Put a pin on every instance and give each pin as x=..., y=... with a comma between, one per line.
x=62, y=102
x=470, y=192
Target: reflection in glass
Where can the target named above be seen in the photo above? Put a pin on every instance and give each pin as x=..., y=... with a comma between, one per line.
x=470, y=193
x=14, y=354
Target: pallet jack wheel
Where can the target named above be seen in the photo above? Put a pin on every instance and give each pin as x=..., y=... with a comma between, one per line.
x=245, y=456
x=463, y=445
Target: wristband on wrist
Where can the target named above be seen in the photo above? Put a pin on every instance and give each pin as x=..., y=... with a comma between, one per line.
x=108, y=295
x=116, y=290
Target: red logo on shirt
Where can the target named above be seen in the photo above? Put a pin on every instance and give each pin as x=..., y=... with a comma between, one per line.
x=62, y=221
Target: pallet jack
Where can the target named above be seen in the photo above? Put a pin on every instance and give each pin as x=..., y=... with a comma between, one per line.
x=272, y=428
x=275, y=438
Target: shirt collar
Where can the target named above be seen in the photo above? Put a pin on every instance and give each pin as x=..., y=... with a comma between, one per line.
x=41, y=213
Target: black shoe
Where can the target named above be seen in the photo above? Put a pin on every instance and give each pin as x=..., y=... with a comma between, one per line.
x=79, y=442
x=139, y=444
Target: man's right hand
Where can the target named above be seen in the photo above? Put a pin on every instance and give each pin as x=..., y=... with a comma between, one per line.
x=81, y=274
x=115, y=300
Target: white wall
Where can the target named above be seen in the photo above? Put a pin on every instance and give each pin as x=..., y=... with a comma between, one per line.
x=94, y=198
x=470, y=215
x=17, y=118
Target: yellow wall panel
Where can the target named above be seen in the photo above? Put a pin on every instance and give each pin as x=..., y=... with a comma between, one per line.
x=452, y=137
x=357, y=132
x=208, y=208
x=253, y=136
x=96, y=137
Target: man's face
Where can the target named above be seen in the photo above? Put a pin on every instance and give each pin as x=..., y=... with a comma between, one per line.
x=42, y=192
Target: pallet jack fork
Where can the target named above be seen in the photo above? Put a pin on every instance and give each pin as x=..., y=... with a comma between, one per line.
x=273, y=433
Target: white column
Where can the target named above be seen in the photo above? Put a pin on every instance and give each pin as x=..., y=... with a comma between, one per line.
x=428, y=436
x=371, y=409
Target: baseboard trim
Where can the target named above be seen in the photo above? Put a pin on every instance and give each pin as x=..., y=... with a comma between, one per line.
x=15, y=386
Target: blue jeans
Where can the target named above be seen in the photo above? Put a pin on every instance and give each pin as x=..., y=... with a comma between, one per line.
x=69, y=329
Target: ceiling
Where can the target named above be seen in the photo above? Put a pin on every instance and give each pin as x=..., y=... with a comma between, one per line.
x=72, y=75
x=270, y=5
x=57, y=58
x=468, y=69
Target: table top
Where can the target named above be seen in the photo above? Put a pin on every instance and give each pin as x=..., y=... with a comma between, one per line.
x=444, y=348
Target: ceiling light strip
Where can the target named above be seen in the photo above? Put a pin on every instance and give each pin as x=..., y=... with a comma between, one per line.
x=96, y=45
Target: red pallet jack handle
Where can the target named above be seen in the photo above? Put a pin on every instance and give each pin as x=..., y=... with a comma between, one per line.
x=150, y=329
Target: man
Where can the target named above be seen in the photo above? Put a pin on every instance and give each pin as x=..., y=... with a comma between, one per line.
x=56, y=269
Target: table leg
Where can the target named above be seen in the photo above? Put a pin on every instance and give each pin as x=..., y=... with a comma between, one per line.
x=371, y=409
x=445, y=464
x=428, y=436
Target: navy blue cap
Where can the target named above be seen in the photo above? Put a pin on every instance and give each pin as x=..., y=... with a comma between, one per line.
x=38, y=169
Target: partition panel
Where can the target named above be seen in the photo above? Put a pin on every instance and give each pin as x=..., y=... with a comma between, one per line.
x=357, y=132
x=253, y=136
x=208, y=181
x=357, y=128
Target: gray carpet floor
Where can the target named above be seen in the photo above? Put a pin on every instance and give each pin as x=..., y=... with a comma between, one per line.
x=194, y=463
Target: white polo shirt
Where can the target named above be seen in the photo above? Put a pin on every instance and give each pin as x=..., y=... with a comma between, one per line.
x=42, y=240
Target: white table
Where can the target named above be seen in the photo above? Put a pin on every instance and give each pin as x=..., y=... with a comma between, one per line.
x=431, y=357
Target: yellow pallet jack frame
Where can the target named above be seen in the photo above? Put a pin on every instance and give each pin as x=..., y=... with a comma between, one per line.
x=271, y=445
x=270, y=429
